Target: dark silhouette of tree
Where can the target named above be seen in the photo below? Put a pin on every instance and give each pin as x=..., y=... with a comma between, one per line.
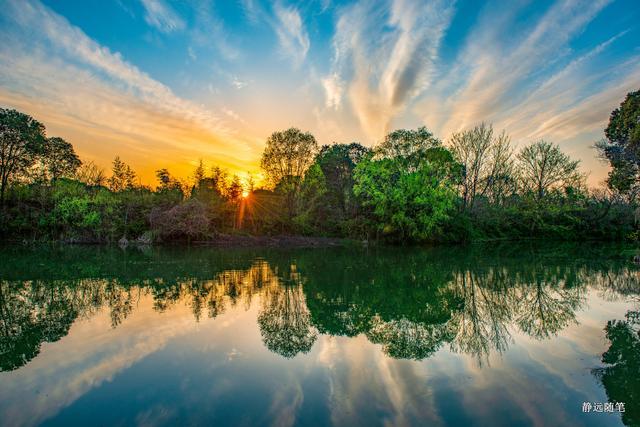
x=59, y=159
x=21, y=141
x=337, y=163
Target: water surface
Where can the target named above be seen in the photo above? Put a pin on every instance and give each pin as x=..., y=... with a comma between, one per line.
x=481, y=335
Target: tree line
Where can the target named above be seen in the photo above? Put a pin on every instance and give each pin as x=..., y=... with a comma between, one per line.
x=411, y=187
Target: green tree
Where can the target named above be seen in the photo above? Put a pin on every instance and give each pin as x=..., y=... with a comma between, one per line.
x=622, y=145
x=408, y=183
x=21, y=141
x=410, y=147
x=122, y=176
x=544, y=167
x=286, y=157
x=59, y=159
x=326, y=203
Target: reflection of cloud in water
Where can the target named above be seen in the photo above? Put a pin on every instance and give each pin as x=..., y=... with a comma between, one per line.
x=92, y=353
x=363, y=381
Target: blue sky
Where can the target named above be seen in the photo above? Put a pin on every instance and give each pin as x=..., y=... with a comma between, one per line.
x=164, y=83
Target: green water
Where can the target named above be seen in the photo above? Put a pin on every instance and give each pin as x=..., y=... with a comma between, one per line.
x=499, y=334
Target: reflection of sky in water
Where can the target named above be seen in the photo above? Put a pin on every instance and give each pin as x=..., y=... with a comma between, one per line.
x=165, y=367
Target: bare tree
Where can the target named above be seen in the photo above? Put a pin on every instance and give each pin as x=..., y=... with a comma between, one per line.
x=543, y=168
x=488, y=163
x=91, y=174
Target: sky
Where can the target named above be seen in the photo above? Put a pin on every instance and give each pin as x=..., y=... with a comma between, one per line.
x=165, y=83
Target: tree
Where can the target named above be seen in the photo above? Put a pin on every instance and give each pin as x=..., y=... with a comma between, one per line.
x=91, y=174
x=286, y=157
x=187, y=219
x=408, y=183
x=337, y=163
x=21, y=141
x=326, y=203
x=622, y=145
x=288, y=153
x=487, y=163
x=408, y=146
x=543, y=168
x=219, y=179
x=122, y=176
x=166, y=182
x=234, y=191
x=59, y=158
x=198, y=174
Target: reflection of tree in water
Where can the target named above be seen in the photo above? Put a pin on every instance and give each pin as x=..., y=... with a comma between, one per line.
x=413, y=303
x=480, y=325
x=410, y=302
x=620, y=378
x=546, y=309
x=285, y=321
x=404, y=339
x=29, y=318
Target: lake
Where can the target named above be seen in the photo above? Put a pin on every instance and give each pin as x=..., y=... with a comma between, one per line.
x=496, y=334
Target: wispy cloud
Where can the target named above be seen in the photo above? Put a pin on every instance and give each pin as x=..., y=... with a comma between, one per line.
x=294, y=40
x=160, y=15
x=209, y=30
x=493, y=72
x=385, y=54
x=333, y=88
x=238, y=83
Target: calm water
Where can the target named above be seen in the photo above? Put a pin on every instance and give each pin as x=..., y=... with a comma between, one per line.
x=483, y=335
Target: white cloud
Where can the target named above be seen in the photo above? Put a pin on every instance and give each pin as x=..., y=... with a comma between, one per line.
x=386, y=54
x=160, y=15
x=238, y=83
x=293, y=38
x=333, y=89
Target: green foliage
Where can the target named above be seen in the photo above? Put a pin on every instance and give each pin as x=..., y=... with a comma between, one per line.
x=622, y=145
x=286, y=157
x=620, y=377
x=409, y=188
x=406, y=204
